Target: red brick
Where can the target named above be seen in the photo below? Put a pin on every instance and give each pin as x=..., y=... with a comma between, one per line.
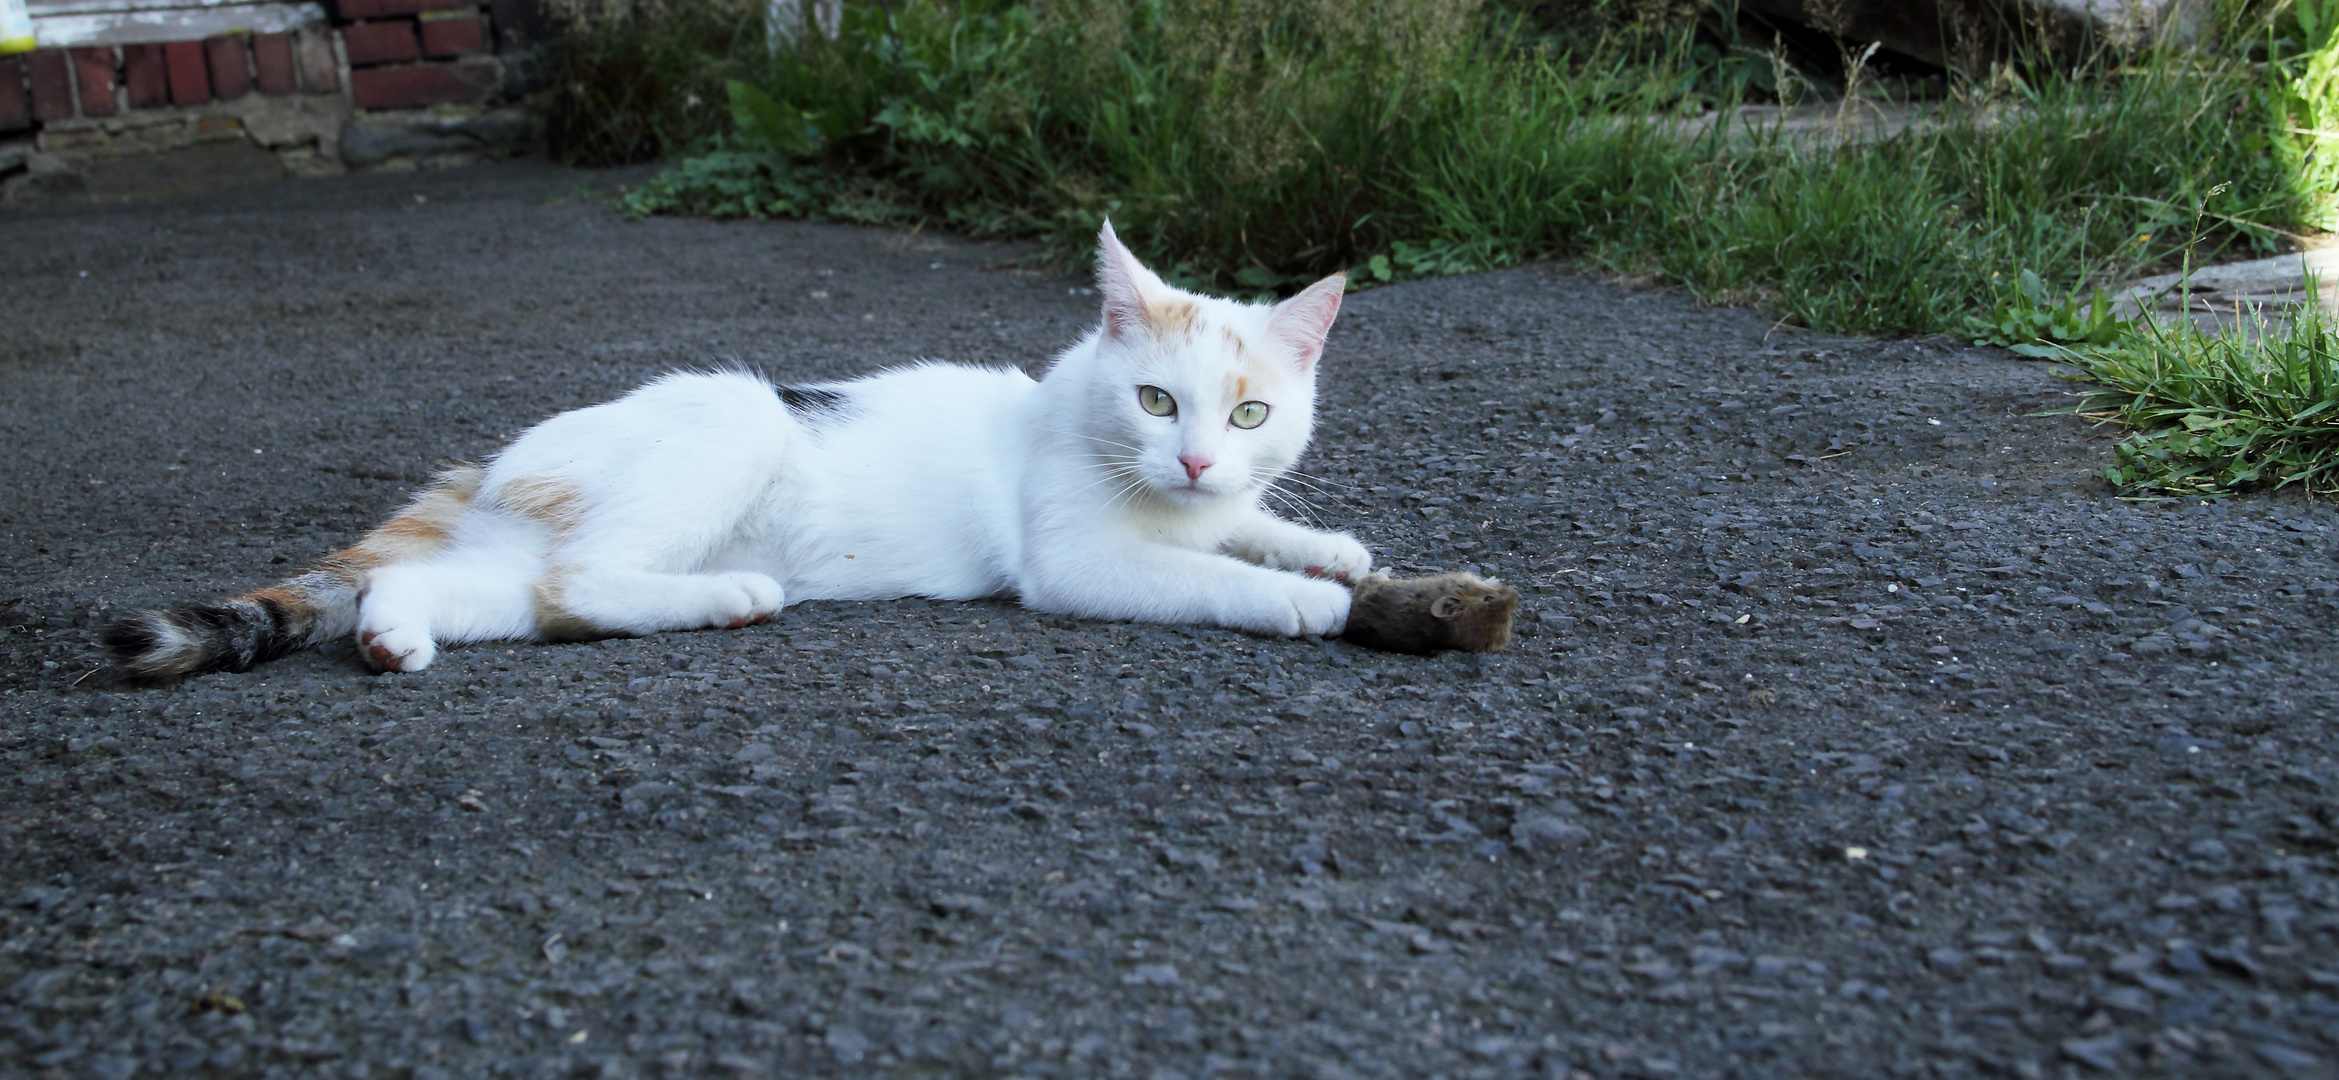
x=312, y=50
x=94, y=70
x=143, y=72
x=377, y=9
x=231, y=65
x=453, y=37
x=190, y=74
x=272, y=64
x=52, y=85
x=390, y=42
x=15, y=108
x=416, y=85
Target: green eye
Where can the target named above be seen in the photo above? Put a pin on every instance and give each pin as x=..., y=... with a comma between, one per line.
x=1249, y=414
x=1157, y=401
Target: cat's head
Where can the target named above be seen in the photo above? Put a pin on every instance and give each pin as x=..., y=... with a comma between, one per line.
x=1197, y=398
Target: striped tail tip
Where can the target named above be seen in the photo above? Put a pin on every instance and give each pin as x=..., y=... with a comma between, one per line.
x=197, y=638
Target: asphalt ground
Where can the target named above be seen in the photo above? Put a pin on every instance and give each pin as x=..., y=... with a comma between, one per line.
x=1851, y=729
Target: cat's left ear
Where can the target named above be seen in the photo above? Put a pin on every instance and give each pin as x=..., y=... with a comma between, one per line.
x=1300, y=323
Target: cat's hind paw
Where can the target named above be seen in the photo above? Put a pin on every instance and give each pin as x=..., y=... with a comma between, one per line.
x=745, y=599
x=396, y=648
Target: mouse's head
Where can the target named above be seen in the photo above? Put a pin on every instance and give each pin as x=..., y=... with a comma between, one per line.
x=1477, y=614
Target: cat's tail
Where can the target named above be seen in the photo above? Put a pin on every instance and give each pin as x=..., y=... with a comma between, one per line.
x=310, y=609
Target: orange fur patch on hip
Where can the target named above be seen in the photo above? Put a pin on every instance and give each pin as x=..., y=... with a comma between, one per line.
x=294, y=603
x=553, y=618
x=423, y=527
x=556, y=503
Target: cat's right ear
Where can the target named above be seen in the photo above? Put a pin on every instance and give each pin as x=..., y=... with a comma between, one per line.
x=1124, y=282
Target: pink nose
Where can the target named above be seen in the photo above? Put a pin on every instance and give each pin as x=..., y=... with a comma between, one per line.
x=1194, y=464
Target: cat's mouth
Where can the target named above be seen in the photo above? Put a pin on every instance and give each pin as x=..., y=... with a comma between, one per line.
x=1188, y=492
x=1180, y=490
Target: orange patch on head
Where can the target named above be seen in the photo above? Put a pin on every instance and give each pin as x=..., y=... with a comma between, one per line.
x=1171, y=315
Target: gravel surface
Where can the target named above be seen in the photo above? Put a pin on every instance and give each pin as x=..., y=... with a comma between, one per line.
x=1850, y=731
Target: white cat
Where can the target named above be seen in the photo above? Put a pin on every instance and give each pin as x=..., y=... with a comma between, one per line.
x=1125, y=484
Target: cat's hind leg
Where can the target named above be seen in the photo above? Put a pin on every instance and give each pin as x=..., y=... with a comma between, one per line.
x=410, y=609
x=585, y=600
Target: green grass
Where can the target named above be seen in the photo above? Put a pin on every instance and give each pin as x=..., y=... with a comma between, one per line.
x=1251, y=145
x=2217, y=414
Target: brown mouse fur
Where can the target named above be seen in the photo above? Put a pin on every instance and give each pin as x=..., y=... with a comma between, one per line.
x=1423, y=615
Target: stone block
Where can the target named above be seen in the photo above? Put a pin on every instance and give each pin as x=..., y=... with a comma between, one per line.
x=230, y=57
x=272, y=68
x=372, y=141
x=188, y=71
x=445, y=37
x=388, y=41
x=94, y=72
x=414, y=86
x=2242, y=297
x=1967, y=35
x=52, y=85
x=146, y=77
x=312, y=52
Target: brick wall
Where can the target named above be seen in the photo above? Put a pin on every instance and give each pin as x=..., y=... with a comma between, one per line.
x=93, y=82
x=405, y=54
x=397, y=76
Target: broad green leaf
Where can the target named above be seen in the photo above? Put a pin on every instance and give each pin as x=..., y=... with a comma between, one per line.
x=772, y=124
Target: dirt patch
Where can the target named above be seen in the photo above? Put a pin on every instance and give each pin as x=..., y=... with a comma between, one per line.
x=1851, y=730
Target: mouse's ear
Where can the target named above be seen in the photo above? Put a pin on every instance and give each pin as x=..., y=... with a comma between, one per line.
x=1446, y=607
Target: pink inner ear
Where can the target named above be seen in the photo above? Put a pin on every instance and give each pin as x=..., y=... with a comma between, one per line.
x=1124, y=282
x=1301, y=322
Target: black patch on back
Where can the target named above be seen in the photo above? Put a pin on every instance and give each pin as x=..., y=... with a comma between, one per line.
x=812, y=404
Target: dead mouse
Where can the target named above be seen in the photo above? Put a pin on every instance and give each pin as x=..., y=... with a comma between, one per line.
x=1423, y=615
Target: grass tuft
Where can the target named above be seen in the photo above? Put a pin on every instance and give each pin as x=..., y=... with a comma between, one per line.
x=2220, y=413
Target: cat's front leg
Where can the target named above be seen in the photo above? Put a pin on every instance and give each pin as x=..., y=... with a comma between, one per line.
x=1149, y=582
x=1266, y=540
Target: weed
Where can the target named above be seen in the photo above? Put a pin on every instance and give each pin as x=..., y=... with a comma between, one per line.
x=628, y=84
x=2219, y=413
x=2031, y=317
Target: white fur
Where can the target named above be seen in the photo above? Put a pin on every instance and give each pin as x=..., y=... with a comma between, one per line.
x=704, y=501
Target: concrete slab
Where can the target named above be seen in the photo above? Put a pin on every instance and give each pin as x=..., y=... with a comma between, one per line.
x=2243, y=296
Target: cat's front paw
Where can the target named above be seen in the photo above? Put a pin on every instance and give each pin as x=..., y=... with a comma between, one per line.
x=1336, y=556
x=1300, y=607
x=745, y=599
x=396, y=648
